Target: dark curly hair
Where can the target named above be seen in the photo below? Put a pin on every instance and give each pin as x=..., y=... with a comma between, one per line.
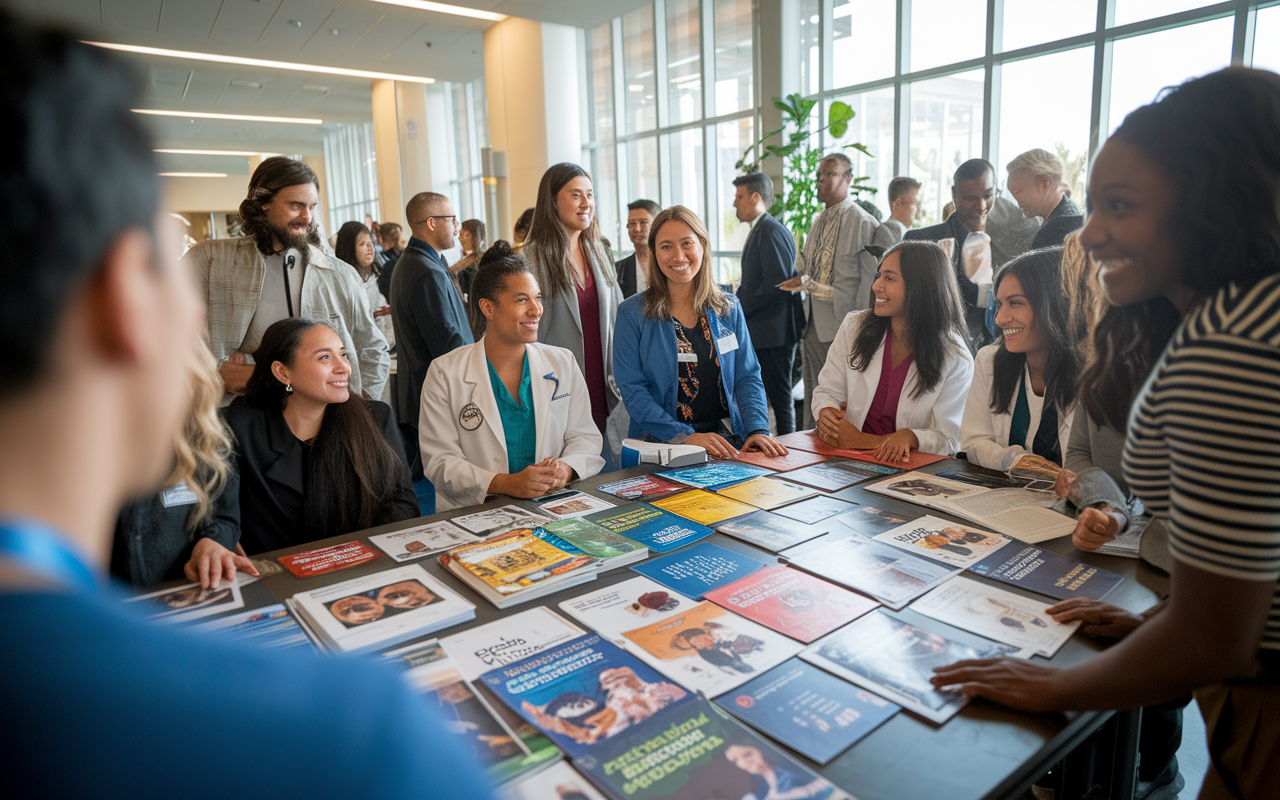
x=272, y=175
x=496, y=267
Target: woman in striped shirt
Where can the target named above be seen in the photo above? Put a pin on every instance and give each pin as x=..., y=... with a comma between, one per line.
x=1185, y=201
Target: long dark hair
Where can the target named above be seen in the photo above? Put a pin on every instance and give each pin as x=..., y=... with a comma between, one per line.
x=498, y=264
x=549, y=240
x=345, y=249
x=352, y=473
x=1215, y=139
x=933, y=311
x=1040, y=273
x=272, y=175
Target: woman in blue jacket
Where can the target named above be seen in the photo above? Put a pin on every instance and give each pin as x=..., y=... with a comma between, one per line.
x=682, y=356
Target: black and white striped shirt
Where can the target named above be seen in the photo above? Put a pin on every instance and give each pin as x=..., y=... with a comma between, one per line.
x=1203, y=450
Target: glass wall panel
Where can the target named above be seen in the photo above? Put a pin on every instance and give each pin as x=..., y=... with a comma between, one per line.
x=604, y=180
x=351, y=173
x=1144, y=65
x=642, y=169
x=732, y=139
x=872, y=126
x=638, y=70
x=810, y=52
x=684, y=61
x=687, y=182
x=734, y=56
x=1138, y=10
x=1266, y=40
x=1058, y=120
x=600, y=83
x=1031, y=22
x=862, y=41
x=946, y=31
x=946, y=131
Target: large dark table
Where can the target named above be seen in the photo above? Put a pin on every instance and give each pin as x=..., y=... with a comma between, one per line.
x=985, y=751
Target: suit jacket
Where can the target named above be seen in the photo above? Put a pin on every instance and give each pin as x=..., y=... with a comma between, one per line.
x=1062, y=220
x=775, y=317
x=853, y=269
x=273, y=480
x=627, y=275
x=428, y=318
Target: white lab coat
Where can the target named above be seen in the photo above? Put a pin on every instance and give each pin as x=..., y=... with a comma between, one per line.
x=984, y=434
x=461, y=460
x=934, y=417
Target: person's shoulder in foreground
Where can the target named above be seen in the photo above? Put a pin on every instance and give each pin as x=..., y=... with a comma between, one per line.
x=101, y=703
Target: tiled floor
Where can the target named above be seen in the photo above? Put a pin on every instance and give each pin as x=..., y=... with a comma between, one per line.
x=1193, y=755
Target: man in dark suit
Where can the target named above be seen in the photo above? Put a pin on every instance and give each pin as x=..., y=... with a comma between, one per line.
x=775, y=317
x=632, y=277
x=973, y=190
x=426, y=313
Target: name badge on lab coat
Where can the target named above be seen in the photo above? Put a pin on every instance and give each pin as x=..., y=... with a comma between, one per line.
x=727, y=343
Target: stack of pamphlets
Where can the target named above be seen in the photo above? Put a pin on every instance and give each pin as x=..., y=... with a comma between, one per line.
x=374, y=611
x=660, y=531
x=613, y=549
x=517, y=567
x=1022, y=513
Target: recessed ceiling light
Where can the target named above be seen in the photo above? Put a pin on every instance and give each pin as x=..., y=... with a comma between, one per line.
x=445, y=8
x=211, y=152
x=237, y=117
x=297, y=23
x=193, y=174
x=260, y=62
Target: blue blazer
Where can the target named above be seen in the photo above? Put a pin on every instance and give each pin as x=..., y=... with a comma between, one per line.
x=645, y=368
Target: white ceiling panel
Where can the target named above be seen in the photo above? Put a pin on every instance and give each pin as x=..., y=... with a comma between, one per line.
x=388, y=33
x=240, y=21
x=350, y=26
x=295, y=22
x=413, y=52
x=131, y=15
x=189, y=17
x=239, y=94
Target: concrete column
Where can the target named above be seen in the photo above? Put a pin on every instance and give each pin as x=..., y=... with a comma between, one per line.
x=531, y=87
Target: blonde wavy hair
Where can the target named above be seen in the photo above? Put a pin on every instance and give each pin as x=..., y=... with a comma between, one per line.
x=657, y=300
x=204, y=449
x=1085, y=302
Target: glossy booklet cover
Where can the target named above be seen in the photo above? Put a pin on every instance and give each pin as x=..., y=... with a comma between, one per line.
x=792, y=602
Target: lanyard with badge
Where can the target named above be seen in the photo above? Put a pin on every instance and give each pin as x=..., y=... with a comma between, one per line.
x=724, y=344
x=37, y=549
x=289, y=260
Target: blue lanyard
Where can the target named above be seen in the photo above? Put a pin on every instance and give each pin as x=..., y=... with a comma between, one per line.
x=39, y=550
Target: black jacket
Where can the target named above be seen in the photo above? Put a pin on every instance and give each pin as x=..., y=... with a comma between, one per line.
x=429, y=321
x=151, y=542
x=1062, y=220
x=627, y=275
x=273, y=477
x=775, y=317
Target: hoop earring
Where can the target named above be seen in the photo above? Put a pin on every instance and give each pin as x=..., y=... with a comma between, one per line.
x=288, y=388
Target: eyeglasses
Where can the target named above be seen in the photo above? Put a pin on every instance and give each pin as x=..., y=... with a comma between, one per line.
x=453, y=217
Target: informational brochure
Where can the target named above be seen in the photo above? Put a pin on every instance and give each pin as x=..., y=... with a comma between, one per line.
x=189, y=602
x=625, y=606
x=641, y=487
x=889, y=574
x=714, y=474
x=808, y=710
x=995, y=613
x=1046, y=573
x=948, y=542
x=794, y=459
x=658, y=530
x=792, y=602
x=837, y=474
x=493, y=521
x=511, y=638
x=816, y=509
x=767, y=493
x=871, y=520
x=703, y=507
x=573, y=504
x=422, y=540
x=895, y=659
x=700, y=568
x=1022, y=513
x=327, y=559
x=769, y=531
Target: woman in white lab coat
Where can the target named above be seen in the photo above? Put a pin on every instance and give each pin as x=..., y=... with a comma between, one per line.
x=897, y=374
x=506, y=415
x=1024, y=386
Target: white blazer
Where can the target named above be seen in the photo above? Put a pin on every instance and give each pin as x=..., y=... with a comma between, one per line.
x=460, y=429
x=984, y=434
x=934, y=417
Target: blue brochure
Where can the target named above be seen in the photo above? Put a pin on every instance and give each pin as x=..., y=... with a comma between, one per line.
x=660, y=531
x=714, y=474
x=1046, y=573
x=808, y=710
x=583, y=692
x=699, y=569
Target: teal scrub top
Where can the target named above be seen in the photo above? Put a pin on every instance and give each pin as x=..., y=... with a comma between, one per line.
x=518, y=424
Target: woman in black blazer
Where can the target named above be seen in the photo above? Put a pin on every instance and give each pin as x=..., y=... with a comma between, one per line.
x=314, y=460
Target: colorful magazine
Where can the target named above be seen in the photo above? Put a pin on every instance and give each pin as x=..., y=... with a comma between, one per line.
x=641, y=487
x=767, y=493
x=699, y=569
x=948, y=542
x=714, y=474
x=808, y=710
x=508, y=639
x=624, y=606
x=702, y=506
x=892, y=576
x=584, y=692
x=769, y=531
x=517, y=566
x=792, y=602
x=660, y=531
x=1022, y=513
x=1046, y=573
x=837, y=474
x=311, y=563
x=613, y=549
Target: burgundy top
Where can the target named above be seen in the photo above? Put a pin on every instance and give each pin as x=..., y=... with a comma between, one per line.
x=592, y=350
x=882, y=417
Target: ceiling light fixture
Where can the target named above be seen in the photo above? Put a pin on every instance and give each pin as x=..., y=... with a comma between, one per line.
x=193, y=174
x=236, y=117
x=260, y=62
x=445, y=8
